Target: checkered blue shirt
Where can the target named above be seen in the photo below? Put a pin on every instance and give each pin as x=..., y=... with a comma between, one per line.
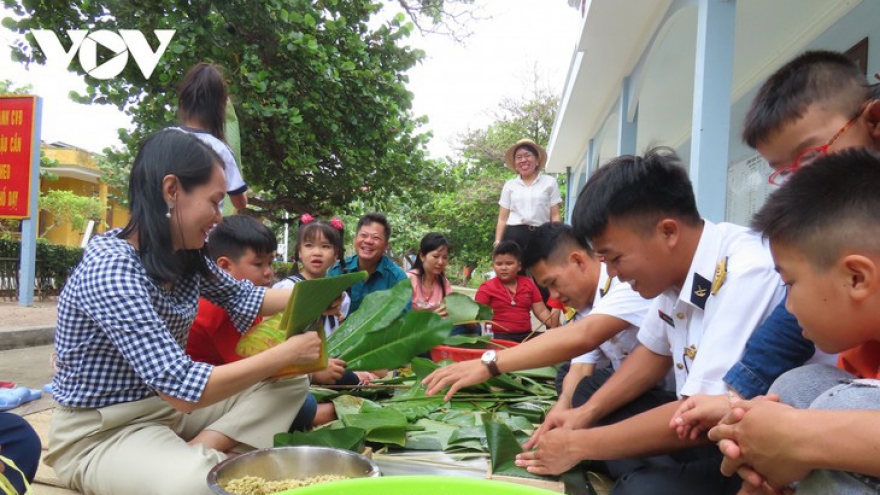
x=121, y=337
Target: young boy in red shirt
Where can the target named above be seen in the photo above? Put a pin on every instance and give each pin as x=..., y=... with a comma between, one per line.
x=512, y=297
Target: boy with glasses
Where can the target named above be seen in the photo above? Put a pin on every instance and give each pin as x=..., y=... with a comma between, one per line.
x=824, y=234
x=818, y=103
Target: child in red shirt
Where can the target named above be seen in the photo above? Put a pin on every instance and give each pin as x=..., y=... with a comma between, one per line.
x=511, y=296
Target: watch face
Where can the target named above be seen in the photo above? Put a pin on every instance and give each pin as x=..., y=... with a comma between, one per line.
x=488, y=357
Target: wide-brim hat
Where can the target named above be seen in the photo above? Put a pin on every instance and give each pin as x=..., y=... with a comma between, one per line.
x=508, y=155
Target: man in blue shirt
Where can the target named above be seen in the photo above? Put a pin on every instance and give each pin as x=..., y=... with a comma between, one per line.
x=370, y=241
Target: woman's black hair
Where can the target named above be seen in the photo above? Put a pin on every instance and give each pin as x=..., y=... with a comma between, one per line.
x=202, y=97
x=431, y=242
x=168, y=152
x=310, y=231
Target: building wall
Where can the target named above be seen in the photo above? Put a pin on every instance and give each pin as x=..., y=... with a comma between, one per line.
x=116, y=215
x=673, y=111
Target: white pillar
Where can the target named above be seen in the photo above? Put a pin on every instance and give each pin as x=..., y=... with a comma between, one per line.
x=713, y=82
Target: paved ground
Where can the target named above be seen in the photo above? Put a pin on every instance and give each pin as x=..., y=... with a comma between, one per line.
x=12, y=315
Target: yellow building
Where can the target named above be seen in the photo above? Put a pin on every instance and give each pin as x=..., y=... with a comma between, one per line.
x=78, y=172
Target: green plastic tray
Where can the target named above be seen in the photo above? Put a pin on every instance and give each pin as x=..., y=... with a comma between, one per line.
x=418, y=485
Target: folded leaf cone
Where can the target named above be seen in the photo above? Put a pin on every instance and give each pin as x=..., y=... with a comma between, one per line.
x=302, y=313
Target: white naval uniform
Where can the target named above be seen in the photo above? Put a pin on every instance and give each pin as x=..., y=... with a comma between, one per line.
x=617, y=299
x=705, y=331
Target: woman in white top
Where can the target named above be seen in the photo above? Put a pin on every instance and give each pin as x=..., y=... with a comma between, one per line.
x=528, y=200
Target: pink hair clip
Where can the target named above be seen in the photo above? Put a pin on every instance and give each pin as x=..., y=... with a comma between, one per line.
x=336, y=223
x=306, y=218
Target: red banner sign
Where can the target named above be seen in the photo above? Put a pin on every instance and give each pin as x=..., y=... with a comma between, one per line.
x=16, y=154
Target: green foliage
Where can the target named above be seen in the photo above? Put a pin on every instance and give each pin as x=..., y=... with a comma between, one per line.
x=378, y=335
x=54, y=264
x=503, y=449
x=320, y=92
x=67, y=206
x=301, y=314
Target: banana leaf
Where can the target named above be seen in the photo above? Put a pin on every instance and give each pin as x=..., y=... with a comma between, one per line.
x=302, y=313
x=397, y=343
x=378, y=310
x=503, y=449
x=414, y=404
x=233, y=139
x=545, y=373
x=385, y=425
x=435, y=436
x=463, y=309
x=348, y=437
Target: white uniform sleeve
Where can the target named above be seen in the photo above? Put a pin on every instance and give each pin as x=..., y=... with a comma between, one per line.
x=653, y=332
x=743, y=303
x=591, y=357
x=624, y=304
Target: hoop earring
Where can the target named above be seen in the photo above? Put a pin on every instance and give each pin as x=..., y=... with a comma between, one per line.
x=170, y=207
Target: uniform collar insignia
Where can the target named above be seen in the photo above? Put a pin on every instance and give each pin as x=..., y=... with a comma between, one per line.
x=720, y=275
x=605, y=289
x=700, y=291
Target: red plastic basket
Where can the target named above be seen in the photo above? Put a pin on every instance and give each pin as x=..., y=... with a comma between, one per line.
x=442, y=352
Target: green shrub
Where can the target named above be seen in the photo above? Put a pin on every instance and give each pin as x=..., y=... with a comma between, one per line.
x=54, y=264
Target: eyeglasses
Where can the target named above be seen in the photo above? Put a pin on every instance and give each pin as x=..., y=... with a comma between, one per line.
x=523, y=156
x=808, y=156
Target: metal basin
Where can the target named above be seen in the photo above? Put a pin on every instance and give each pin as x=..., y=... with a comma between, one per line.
x=280, y=463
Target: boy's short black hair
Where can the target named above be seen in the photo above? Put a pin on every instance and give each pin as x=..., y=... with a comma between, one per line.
x=507, y=247
x=637, y=190
x=235, y=234
x=827, y=208
x=816, y=76
x=550, y=240
x=371, y=218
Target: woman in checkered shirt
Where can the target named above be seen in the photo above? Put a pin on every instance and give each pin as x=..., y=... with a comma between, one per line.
x=135, y=414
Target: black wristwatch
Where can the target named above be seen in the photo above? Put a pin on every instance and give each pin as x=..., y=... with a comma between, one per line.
x=490, y=359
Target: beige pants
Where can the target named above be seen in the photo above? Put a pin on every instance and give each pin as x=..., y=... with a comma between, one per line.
x=139, y=448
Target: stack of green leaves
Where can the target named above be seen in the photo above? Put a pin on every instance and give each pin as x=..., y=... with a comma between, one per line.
x=380, y=335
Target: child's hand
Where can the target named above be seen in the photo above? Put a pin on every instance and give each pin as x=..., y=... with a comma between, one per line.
x=335, y=308
x=365, y=377
x=697, y=414
x=333, y=372
x=441, y=311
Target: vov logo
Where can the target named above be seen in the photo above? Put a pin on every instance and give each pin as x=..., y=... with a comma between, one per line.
x=121, y=44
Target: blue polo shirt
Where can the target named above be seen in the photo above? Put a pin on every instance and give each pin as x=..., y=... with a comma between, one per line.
x=386, y=275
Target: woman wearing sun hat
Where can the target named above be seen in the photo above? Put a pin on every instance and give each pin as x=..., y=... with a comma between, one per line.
x=528, y=200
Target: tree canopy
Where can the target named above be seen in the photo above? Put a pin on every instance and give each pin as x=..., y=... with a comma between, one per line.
x=320, y=91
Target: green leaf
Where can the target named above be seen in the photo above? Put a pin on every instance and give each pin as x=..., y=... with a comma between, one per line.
x=503, y=449
x=398, y=343
x=311, y=297
x=233, y=132
x=462, y=308
x=423, y=367
x=377, y=311
x=435, y=435
x=308, y=300
x=385, y=425
x=348, y=437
